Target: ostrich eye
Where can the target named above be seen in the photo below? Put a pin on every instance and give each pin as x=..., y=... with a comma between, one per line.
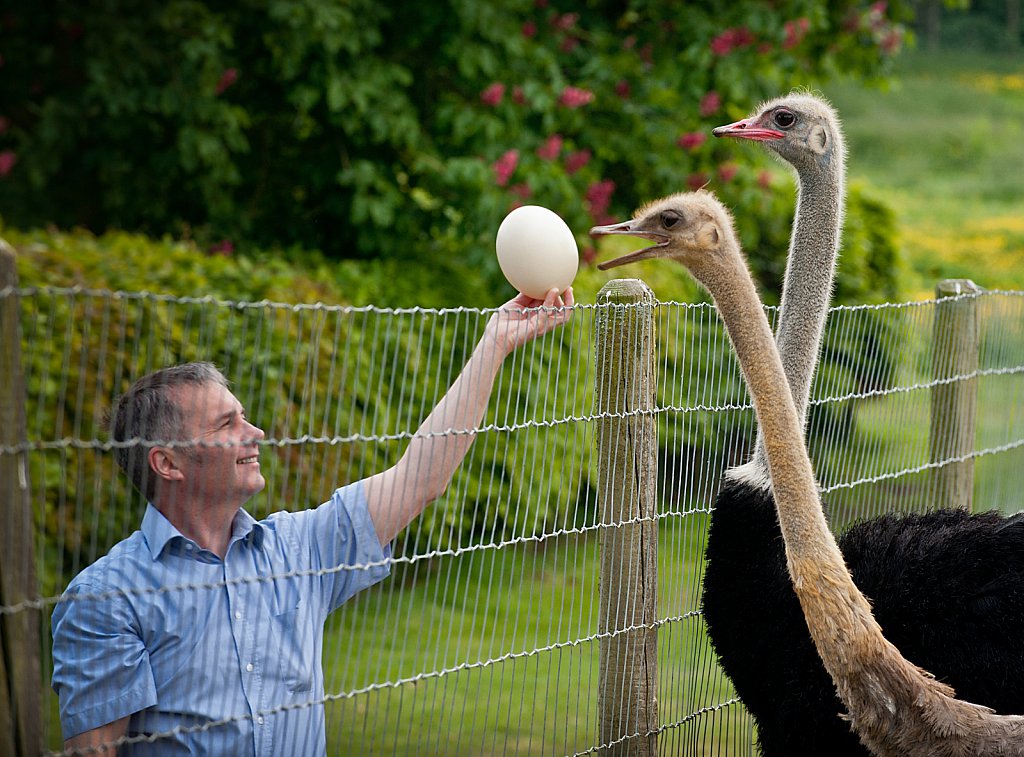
x=784, y=119
x=669, y=219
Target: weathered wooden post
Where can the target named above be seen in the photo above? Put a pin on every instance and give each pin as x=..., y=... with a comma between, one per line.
x=20, y=671
x=627, y=466
x=955, y=344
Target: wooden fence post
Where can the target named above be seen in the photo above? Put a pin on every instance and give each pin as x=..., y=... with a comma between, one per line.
x=20, y=669
x=955, y=344
x=627, y=466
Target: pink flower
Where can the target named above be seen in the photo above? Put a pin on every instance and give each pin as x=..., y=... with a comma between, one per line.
x=710, y=103
x=229, y=77
x=551, y=148
x=599, y=197
x=517, y=95
x=622, y=89
x=7, y=160
x=529, y=29
x=727, y=171
x=223, y=248
x=565, y=21
x=589, y=255
x=493, y=94
x=723, y=43
x=574, y=97
x=795, y=32
x=764, y=180
x=521, y=190
x=574, y=161
x=569, y=44
x=892, y=42
x=697, y=180
x=505, y=166
x=691, y=140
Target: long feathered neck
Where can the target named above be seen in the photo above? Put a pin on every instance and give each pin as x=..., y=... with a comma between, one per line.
x=810, y=273
x=894, y=707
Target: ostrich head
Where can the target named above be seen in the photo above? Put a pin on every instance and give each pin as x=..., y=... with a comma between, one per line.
x=802, y=129
x=692, y=228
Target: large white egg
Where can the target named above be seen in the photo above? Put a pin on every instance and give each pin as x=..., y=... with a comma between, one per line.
x=536, y=251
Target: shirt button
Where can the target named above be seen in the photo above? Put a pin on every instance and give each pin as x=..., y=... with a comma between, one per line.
x=238, y=614
x=260, y=720
x=248, y=668
x=188, y=547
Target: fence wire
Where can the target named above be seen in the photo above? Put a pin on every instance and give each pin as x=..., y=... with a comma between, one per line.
x=485, y=638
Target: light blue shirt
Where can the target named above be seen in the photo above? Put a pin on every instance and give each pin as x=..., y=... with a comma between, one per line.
x=213, y=657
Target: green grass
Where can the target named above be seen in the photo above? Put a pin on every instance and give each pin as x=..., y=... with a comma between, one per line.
x=496, y=607
x=944, y=146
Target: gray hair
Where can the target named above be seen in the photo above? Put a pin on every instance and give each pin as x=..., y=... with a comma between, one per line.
x=148, y=414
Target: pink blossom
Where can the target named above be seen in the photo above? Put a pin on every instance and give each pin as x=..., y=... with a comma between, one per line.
x=599, y=197
x=7, y=160
x=727, y=171
x=540, y=3
x=505, y=166
x=691, y=140
x=764, y=179
x=891, y=42
x=710, y=103
x=697, y=180
x=723, y=43
x=795, y=32
x=521, y=190
x=529, y=29
x=730, y=39
x=575, y=97
x=551, y=148
x=565, y=21
x=629, y=42
x=517, y=95
x=224, y=248
x=574, y=161
x=229, y=77
x=569, y=44
x=589, y=255
x=493, y=94
x=647, y=54
x=622, y=89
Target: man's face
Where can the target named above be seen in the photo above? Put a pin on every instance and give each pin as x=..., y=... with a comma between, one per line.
x=223, y=465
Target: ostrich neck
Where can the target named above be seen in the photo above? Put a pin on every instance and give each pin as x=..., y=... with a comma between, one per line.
x=807, y=286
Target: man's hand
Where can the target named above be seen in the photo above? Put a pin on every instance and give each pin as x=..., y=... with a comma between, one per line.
x=524, y=318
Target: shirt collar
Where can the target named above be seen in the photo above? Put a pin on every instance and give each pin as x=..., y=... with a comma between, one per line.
x=159, y=531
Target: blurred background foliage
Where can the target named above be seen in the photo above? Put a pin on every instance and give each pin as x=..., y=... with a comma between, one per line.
x=406, y=131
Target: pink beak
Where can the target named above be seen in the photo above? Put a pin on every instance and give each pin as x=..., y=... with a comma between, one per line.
x=748, y=129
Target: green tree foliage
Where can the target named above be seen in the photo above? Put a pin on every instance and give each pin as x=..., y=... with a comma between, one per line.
x=397, y=130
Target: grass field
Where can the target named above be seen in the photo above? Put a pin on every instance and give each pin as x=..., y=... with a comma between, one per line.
x=944, y=146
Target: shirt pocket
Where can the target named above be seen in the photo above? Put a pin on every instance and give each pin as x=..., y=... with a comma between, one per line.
x=293, y=632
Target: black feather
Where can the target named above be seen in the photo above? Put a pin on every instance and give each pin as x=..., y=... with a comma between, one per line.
x=946, y=587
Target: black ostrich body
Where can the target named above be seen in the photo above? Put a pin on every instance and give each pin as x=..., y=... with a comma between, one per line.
x=947, y=589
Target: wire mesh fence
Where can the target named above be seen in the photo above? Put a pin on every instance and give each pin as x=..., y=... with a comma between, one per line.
x=487, y=636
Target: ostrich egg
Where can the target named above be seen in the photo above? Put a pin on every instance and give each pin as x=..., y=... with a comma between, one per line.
x=536, y=251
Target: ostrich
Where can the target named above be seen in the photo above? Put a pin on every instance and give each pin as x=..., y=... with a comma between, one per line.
x=753, y=618
x=895, y=707
x=964, y=625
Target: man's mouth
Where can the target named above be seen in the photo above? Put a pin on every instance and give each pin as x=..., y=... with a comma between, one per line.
x=247, y=460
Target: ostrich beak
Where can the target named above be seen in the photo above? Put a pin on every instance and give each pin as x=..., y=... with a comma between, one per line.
x=629, y=228
x=748, y=129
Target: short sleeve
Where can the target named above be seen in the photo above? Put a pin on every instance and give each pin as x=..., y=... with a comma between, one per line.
x=101, y=669
x=345, y=546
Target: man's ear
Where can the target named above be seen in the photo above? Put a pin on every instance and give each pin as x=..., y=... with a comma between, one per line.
x=163, y=463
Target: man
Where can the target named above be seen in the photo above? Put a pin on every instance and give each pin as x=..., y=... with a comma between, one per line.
x=201, y=633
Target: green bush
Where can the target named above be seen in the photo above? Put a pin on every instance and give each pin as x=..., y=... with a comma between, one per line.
x=394, y=130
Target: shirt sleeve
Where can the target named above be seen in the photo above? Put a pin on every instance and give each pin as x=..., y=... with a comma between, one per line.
x=344, y=545
x=101, y=669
